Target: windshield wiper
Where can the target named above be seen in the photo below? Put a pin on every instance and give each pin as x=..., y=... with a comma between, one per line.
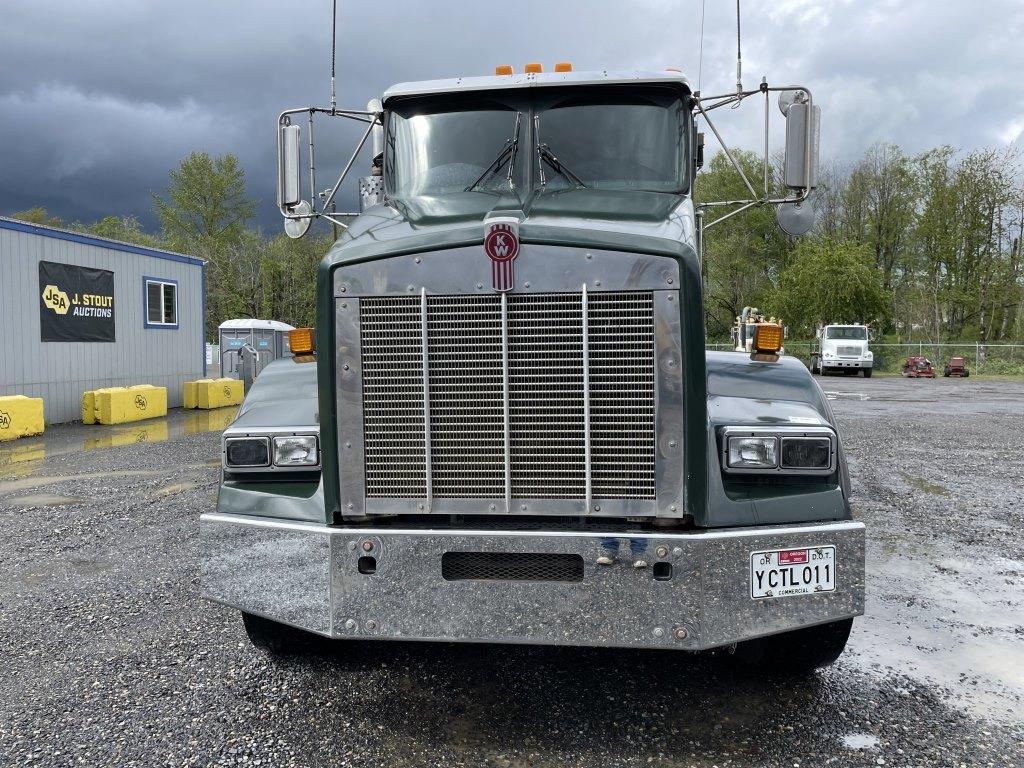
x=545, y=155
x=508, y=152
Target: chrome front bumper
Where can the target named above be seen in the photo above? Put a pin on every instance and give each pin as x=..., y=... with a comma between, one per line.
x=839, y=362
x=308, y=575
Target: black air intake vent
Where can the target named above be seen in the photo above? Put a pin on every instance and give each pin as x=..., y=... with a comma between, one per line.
x=510, y=566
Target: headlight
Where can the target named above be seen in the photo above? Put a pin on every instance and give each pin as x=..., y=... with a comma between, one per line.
x=753, y=452
x=296, y=451
x=781, y=449
x=806, y=453
x=828, y=354
x=247, y=452
x=869, y=355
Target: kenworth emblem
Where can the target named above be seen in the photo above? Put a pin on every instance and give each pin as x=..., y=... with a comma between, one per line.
x=501, y=244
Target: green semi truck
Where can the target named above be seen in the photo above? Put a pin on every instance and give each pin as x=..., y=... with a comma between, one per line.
x=509, y=430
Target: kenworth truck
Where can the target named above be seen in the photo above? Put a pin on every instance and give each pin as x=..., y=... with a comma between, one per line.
x=505, y=427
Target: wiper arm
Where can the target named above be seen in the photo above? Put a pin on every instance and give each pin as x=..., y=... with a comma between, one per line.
x=545, y=155
x=508, y=152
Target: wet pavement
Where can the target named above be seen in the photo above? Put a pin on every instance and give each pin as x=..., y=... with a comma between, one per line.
x=111, y=658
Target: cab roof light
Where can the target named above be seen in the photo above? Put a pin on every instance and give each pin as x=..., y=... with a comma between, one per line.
x=504, y=69
x=563, y=66
x=767, y=341
x=533, y=68
x=302, y=341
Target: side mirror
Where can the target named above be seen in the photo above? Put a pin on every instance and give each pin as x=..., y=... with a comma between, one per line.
x=800, y=168
x=289, y=188
x=698, y=150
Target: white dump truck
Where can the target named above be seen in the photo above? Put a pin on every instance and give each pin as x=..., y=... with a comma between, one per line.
x=842, y=348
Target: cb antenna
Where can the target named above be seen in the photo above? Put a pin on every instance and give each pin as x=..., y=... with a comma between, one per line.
x=334, y=33
x=739, y=54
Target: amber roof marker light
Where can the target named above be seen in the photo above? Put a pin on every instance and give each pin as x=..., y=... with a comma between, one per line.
x=767, y=342
x=302, y=341
x=563, y=66
x=533, y=68
x=504, y=69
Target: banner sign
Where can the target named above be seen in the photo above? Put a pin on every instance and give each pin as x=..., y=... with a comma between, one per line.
x=75, y=303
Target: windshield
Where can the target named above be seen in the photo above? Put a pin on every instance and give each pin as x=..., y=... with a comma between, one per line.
x=552, y=139
x=847, y=333
x=447, y=152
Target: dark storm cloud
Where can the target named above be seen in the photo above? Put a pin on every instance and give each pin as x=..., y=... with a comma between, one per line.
x=99, y=100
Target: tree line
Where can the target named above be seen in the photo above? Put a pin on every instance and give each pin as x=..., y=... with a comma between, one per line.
x=924, y=247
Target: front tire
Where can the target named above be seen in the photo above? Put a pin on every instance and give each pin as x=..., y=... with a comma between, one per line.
x=277, y=639
x=867, y=373
x=815, y=365
x=798, y=652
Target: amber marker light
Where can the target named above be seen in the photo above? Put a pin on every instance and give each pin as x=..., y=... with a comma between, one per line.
x=563, y=66
x=767, y=338
x=302, y=341
x=504, y=69
x=533, y=68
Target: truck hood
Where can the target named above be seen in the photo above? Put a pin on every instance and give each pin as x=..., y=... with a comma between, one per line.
x=429, y=223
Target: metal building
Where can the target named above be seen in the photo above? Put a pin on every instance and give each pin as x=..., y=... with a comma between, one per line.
x=79, y=312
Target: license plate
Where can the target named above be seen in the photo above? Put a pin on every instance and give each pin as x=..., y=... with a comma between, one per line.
x=787, y=572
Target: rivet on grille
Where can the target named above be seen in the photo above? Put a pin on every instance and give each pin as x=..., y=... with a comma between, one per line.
x=662, y=551
x=344, y=305
x=659, y=632
x=493, y=507
x=523, y=508
x=597, y=282
x=681, y=633
x=669, y=280
x=350, y=625
x=526, y=285
x=673, y=508
x=671, y=443
x=345, y=366
x=344, y=289
x=590, y=255
x=411, y=288
x=367, y=546
x=417, y=259
x=371, y=625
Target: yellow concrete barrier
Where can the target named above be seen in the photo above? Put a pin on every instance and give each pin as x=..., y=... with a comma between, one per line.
x=212, y=393
x=117, y=405
x=20, y=416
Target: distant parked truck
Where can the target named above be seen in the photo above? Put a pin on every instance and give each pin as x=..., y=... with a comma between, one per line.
x=956, y=366
x=842, y=348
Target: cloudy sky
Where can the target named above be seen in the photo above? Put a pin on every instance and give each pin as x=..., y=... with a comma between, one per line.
x=100, y=98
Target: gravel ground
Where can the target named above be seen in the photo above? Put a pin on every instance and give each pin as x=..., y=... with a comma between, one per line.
x=111, y=658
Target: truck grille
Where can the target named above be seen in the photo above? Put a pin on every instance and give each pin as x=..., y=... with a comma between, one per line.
x=848, y=351
x=525, y=396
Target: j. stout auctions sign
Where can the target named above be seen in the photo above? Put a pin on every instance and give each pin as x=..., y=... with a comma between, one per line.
x=75, y=303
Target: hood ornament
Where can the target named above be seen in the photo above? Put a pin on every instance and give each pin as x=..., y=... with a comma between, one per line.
x=501, y=244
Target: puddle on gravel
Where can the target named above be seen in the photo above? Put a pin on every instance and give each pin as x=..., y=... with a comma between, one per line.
x=173, y=488
x=36, y=480
x=832, y=394
x=42, y=500
x=949, y=617
x=860, y=741
x=923, y=485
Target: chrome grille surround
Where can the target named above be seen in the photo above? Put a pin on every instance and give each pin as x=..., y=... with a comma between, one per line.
x=848, y=351
x=455, y=399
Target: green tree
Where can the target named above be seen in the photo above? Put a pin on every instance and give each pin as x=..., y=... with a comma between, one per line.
x=830, y=281
x=127, y=229
x=206, y=201
x=744, y=254
x=37, y=215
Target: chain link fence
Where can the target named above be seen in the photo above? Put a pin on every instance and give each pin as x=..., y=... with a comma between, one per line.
x=990, y=359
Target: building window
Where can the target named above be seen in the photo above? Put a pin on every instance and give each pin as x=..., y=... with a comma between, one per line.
x=161, y=303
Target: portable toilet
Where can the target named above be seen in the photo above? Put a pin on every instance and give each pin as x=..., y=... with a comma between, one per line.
x=268, y=337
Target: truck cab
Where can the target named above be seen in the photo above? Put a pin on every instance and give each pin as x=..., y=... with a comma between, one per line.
x=509, y=429
x=842, y=349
